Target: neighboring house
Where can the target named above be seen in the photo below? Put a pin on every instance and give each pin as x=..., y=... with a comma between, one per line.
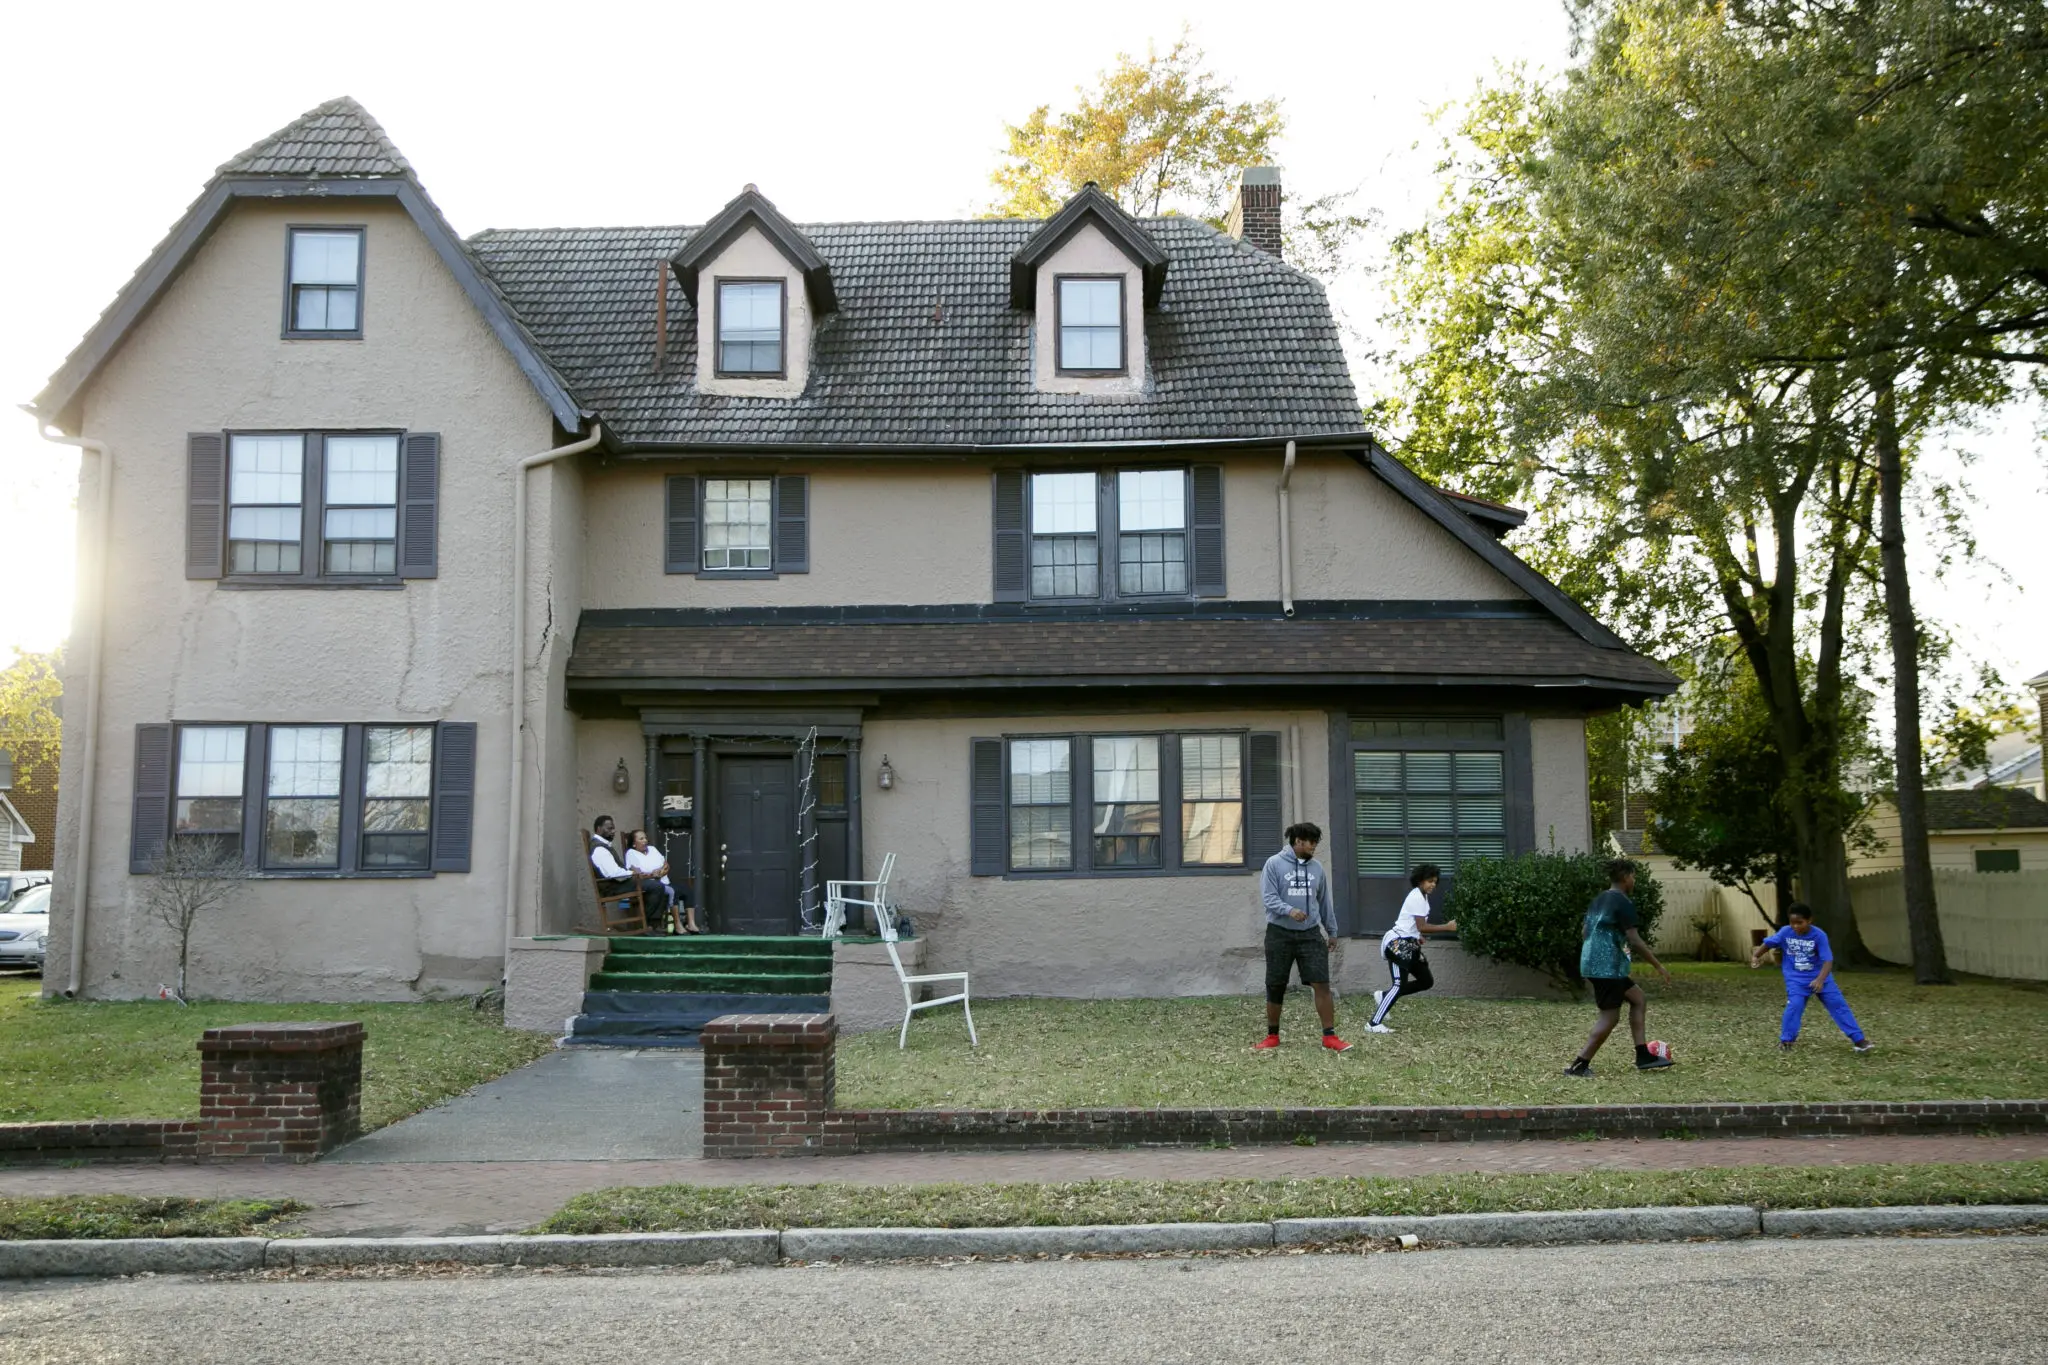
x=1049, y=556
x=17, y=836
x=28, y=781
x=1980, y=829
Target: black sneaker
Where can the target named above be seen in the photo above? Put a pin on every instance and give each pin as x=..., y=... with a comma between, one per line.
x=1652, y=1063
x=1580, y=1067
x=1785, y=1044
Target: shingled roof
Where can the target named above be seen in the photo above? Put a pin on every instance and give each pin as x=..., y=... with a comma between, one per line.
x=338, y=138
x=1987, y=808
x=996, y=653
x=926, y=348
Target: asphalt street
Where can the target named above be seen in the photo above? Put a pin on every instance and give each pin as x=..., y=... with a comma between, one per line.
x=1916, y=1299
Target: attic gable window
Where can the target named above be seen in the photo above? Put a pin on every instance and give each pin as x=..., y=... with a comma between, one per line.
x=1091, y=324
x=324, y=283
x=751, y=317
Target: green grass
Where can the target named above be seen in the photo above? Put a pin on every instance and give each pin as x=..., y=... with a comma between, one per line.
x=25, y=1219
x=64, y=1060
x=1977, y=1040
x=699, y=1208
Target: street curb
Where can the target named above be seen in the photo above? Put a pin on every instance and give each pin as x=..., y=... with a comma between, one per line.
x=768, y=1247
x=1903, y=1218
x=1508, y=1229
x=887, y=1244
x=759, y=1247
x=131, y=1256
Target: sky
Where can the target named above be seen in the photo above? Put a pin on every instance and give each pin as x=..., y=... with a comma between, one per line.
x=112, y=117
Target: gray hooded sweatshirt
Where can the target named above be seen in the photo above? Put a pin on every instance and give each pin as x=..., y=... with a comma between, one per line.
x=1289, y=884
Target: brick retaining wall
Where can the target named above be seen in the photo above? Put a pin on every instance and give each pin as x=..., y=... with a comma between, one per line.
x=101, y=1140
x=768, y=1083
x=925, y=1130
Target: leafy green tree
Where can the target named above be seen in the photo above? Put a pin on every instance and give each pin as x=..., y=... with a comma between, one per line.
x=30, y=723
x=1164, y=135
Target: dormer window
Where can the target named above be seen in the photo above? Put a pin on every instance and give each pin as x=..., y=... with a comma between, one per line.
x=1091, y=324
x=325, y=283
x=750, y=328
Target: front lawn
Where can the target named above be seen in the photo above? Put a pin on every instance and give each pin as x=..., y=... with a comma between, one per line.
x=702, y=1208
x=139, y=1059
x=1977, y=1040
x=37, y=1218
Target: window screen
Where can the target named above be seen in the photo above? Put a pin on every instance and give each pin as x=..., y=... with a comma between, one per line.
x=1428, y=807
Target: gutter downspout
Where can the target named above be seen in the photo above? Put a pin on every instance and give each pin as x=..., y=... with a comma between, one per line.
x=1286, y=544
x=95, y=632
x=516, y=788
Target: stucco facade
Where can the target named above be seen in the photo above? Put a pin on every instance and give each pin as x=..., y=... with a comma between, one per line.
x=864, y=694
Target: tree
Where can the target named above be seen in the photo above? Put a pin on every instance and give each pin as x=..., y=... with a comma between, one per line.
x=1164, y=135
x=29, y=719
x=191, y=878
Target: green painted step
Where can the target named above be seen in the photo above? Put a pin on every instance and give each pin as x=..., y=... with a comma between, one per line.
x=722, y=945
x=744, y=964
x=731, y=983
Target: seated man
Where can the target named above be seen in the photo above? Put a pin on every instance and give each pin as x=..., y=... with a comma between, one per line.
x=613, y=879
x=647, y=860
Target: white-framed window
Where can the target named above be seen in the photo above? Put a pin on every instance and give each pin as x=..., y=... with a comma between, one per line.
x=750, y=323
x=207, y=795
x=361, y=505
x=324, y=282
x=266, y=497
x=1091, y=324
x=738, y=523
x=1152, y=532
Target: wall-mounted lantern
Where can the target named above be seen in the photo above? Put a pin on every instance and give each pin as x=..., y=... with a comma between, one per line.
x=622, y=781
x=885, y=776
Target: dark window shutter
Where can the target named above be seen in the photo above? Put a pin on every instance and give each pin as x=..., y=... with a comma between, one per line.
x=418, y=526
x=1262, y=801
x=792, y=523
x=454, y=794
x=987, y=834
x=150, y=822
x=206, y=489
x=1205, y=531
x=1012, y=572
x=680, y=552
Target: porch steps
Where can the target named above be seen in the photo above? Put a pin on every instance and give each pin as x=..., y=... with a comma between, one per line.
x=658, y=991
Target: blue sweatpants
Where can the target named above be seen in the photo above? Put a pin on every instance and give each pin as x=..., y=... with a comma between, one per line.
x=1799, y=991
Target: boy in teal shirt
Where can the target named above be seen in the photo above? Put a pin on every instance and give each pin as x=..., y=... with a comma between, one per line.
x=1609, y=938
x=1809, y=972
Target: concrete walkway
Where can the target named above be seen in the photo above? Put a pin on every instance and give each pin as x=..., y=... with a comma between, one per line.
x=579, y=1104
x=425, y=1198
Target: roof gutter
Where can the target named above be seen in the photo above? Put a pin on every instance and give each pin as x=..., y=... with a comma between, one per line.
x=516, y=784
x=1286, y=544
x=649, y=452
x=95, y=601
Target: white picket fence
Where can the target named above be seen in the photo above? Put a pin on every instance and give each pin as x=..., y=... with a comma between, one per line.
x=1691, y=895
x=1992, y=923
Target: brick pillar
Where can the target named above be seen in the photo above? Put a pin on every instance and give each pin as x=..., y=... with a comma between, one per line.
x=767, y=1083
x=279, y=1092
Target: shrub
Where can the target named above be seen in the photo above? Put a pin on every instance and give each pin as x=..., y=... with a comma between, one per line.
x=1531, y=910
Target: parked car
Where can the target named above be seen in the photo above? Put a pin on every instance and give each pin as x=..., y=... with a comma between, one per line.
x=25, y=929
x=12, y=884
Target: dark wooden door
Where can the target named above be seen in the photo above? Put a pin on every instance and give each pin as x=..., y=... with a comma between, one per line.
x=755, y=852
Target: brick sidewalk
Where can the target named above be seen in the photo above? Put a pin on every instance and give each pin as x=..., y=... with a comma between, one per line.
x=444, y=1198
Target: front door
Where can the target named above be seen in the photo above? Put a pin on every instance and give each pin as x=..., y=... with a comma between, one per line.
x=755, y=848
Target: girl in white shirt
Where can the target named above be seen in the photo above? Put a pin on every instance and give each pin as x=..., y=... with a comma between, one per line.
x=1402, y=946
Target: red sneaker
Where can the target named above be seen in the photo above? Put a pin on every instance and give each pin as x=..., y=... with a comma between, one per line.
x=1267, y=1043
x=1335, y=1044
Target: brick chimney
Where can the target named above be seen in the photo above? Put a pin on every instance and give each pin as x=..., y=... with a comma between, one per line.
x=1255, y=217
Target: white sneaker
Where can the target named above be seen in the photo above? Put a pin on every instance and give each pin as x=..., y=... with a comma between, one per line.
x=1377, y=1028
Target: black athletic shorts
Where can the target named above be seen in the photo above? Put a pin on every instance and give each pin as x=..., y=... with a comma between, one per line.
x=1285, y=948
x=1610, y=992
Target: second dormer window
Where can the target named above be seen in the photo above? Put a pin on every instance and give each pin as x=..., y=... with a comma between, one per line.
x=1091, y=324
x=750, y=328
x=326, y=289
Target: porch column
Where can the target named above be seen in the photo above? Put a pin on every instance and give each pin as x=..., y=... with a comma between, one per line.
x=700, y=812
x=856, y=868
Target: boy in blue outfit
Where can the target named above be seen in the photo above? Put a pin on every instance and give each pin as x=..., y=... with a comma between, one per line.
x=1809, y=972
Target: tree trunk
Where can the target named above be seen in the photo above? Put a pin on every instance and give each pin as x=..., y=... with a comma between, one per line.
x=1783, y=882
x=184, y=954
x=1930, y=962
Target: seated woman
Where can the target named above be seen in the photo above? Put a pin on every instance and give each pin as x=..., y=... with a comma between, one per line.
x=652, y=863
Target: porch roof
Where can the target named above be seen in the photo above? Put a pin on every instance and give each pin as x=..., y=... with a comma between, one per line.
x=709, y=654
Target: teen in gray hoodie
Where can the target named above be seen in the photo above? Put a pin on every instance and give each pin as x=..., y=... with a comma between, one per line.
x=1301, y=926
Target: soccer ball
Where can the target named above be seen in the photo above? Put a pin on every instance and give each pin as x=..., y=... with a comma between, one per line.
x=1659, y=1048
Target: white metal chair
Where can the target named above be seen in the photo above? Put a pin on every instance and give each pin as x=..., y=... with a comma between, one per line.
x=836, y=899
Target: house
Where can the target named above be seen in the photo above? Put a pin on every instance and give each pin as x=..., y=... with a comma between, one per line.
x=1049, y=556
x=1971, y=829
x=28, y=786
x=17, y=835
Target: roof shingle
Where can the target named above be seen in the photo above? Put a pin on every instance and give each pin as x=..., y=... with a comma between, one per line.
x=338, y=138
x=925, y=348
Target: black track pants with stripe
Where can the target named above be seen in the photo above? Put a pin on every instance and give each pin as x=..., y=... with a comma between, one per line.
x=1410, y=978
